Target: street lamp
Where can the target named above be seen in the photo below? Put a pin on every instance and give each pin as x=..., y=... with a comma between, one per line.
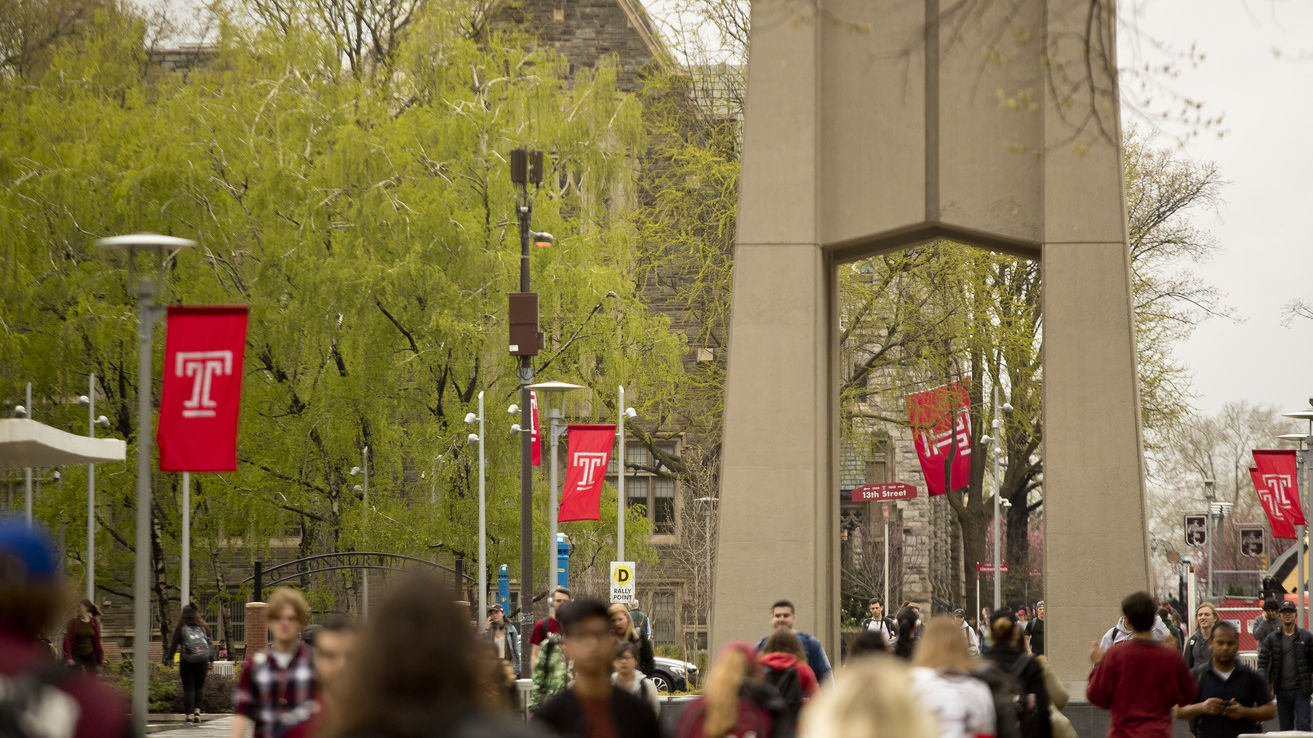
x=550, y=392
x=25, y=411
x=1304, y=463
x=470, y=418
x=89, y=401
x=363, y=472
x=147, y=314
x=623, y=412
x=994, y=441
x=1210, y=494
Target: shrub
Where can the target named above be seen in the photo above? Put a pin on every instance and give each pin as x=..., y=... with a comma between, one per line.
x=165, y=692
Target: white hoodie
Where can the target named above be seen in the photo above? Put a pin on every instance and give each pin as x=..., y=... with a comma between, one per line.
x=1120, y=632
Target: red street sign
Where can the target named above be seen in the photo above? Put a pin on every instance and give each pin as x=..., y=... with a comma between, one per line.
x=884, y=492
x=989, y=568
x=1035, y=573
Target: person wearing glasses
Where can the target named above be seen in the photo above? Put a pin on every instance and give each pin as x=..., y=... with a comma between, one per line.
x=277, y=689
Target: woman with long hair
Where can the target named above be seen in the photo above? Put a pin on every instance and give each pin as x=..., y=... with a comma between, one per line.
x=1026, y=671
x=942, y=680
x=82, y=646
x=419, y=671
x=623, y=625
x=870, y=698
x=193, y=643
x=909, y=622
x=736, y=701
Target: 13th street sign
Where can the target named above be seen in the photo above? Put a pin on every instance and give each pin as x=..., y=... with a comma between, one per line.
x=884, y=492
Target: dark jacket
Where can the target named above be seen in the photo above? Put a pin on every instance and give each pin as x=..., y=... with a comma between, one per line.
x=1264, y=627
x=563, y=716
x=646, y=658
x=1196, y=651
x=70, y=633
x=1031, y=682
x=1269, y=660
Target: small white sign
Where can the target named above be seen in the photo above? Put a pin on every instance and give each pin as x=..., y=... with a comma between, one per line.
x=622, y=581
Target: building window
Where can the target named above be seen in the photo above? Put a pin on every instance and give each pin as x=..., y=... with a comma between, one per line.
x=654, y=494
x=664, y=617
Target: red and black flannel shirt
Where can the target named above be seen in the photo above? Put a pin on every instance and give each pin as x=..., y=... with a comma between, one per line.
x=276, y=699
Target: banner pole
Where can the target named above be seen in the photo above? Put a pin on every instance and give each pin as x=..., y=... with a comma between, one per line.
x=186, y=538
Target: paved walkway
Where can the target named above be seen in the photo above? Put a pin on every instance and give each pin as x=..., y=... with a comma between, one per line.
x=215, y=728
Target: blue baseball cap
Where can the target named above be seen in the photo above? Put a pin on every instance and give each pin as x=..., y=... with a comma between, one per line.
x=31, y=548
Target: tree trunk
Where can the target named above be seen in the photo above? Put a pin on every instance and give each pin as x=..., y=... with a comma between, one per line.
x=1017, y=548
x=974, y=520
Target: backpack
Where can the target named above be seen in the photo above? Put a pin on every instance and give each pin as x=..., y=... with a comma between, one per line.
x=1007, y=723
x=32, y=704
x=788, y=684
x=551, y=673
x=195, y=646
x=1025, y=704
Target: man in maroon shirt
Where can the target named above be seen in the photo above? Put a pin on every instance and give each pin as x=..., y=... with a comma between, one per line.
x=1139, y=680
x=543, y=629
x=34, y=686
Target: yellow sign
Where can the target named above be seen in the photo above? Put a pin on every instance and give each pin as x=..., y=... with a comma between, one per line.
x=622, y=581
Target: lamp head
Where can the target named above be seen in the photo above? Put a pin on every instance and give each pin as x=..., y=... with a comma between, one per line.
x=631, y=413
x=472, y=438
x=20, y=411
x=360, y=491
x=102, y=421
x=58, y=476
x=986, y=440
x=1007, y=407
x=515, y=428
x=84, y=401
x=513, y=409
x=355, y=471
x=470, y=418
x=542, y=239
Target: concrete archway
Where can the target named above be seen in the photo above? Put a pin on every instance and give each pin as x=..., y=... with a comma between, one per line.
x=872, y=126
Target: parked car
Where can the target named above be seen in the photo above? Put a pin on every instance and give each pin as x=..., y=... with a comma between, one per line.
x=673, y=675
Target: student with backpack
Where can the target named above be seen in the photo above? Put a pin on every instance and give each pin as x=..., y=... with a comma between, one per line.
x=192, y=642
x=736, y=701
x=785, y=668
x=1025, y=675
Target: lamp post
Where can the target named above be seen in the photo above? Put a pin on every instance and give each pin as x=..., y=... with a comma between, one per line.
x=993, y=441
x=550, y=392
x=1304, y=459
x=526, y=168
x=26, y=411
x=1210, y=494
x=624, y=412
x=147, y=314
x=89, y=402
x=483, y=517
x=363, y=472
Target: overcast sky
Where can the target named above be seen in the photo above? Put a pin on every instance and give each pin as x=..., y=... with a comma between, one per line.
x=1266, y=158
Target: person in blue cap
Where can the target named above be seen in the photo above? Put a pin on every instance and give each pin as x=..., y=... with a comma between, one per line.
x=35, y=689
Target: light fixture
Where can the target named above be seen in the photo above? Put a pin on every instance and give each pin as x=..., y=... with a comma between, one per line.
x=986, y=440
x=542, y=239
x=470, y=418
x=20, y=411
x=513, y=409
x=355, y=471
x=472, y=438
x=515, y=428
x=84, y=401
x=102, y=421
x=631, y=413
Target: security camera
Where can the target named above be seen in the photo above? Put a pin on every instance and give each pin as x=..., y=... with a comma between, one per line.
x=472, y=438
x=470, y=418
x=513, y=409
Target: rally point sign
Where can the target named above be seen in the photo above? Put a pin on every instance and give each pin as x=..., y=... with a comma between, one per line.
x=623, y=588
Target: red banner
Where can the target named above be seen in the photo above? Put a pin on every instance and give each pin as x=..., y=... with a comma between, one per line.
x=590, y=453
x=535, y=440
x=203, y=353
x=1279, y=472
x=941, y=425
x=1281, y=526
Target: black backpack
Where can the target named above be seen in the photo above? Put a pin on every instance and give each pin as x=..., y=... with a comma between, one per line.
x=1007, y=722
x=195, y=645
x=1026, y=705
x=789, y=686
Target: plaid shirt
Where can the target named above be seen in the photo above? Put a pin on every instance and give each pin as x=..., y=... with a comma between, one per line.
x=275, y=698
